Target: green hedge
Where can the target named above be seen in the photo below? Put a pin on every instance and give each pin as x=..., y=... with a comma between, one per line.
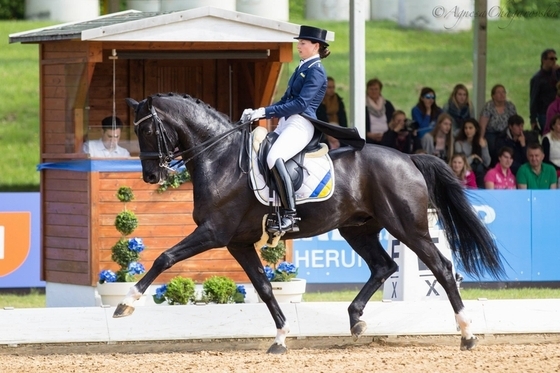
x=12, y=9
x=534, y=8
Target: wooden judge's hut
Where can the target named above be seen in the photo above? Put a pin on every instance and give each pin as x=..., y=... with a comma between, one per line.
x=228, y=59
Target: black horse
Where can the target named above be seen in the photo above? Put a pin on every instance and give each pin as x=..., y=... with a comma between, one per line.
x=376, y=188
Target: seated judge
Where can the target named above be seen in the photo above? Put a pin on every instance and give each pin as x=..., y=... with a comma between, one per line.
x=108, y=145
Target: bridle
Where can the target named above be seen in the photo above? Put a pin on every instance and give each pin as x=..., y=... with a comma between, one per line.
x=165, y=155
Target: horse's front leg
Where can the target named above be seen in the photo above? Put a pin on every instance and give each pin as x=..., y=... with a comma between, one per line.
x=202, y=239
x=247, y=257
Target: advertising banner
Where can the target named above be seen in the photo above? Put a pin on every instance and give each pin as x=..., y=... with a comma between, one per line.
x=20, y=228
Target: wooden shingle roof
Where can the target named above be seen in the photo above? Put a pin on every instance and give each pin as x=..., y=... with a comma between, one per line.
x=206, y=24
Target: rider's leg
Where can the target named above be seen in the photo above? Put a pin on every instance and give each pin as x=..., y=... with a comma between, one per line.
x=285, y=190
x=294, y=134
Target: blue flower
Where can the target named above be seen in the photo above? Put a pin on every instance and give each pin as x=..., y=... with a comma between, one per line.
x=241, y=290
x=136, y=268
x=135, y=244
x=269, y=272
x=160, y=292
x=107, y=276
x=287, y=267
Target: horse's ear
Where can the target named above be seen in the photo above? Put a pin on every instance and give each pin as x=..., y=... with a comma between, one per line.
x=149, y=100
x=132, y=103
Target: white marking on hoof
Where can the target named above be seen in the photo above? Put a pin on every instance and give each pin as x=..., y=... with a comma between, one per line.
x=281, y=334
x=132, y=296
x=464, y=323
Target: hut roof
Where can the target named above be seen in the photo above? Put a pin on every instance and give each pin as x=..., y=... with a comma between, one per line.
x=205, y=24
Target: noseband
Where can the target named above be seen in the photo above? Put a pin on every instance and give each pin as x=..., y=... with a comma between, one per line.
x=165, y=155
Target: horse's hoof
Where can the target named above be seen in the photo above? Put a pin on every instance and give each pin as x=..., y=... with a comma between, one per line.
x=358, y=329
x=468, y=344
x=277, y=349
x=123, y=310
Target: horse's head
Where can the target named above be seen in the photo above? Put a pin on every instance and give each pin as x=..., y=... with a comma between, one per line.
x=157, y=139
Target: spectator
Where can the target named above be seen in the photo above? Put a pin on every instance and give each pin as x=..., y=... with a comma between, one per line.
x=551, y=144
x=459, y=107
x=542, y=89
x=475, y=148
x=400, y=136
x=514, y=138
x=494, y=118
x=501, y=177
x=461, y=168
x=108, y=145
x=332, y=111
x=439, y=141
x=379, y=112
x=535, y=174
x=553, y=109
x=426, y=111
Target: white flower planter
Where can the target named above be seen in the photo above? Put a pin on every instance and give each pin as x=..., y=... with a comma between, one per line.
x=112, y=293
x=289, y=291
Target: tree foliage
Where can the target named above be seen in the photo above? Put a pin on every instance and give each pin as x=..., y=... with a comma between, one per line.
x=12, y=9
x=534, y=8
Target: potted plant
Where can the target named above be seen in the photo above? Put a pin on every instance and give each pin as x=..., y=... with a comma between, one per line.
x=217, y=289
x=113, y=286
x=287, y=288
x=180, y=290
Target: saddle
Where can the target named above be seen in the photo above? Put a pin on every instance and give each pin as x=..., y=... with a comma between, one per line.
x=294, y=166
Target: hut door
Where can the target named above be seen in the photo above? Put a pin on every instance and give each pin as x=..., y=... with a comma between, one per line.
x=194, y=77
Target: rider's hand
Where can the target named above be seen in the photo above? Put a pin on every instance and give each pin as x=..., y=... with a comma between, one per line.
x=246, y=115
x=258, y=114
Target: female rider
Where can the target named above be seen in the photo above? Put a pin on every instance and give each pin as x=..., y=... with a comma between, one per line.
x=305, y=92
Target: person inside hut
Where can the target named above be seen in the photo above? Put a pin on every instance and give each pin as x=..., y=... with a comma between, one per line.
x=108, y=145
x=305, y=92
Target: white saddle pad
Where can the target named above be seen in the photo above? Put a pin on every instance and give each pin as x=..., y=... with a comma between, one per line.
x=318, y=175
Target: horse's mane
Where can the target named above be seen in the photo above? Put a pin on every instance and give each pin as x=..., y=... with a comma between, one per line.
x=206, y=107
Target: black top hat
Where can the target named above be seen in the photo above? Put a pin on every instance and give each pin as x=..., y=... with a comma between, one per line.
x=313, y=34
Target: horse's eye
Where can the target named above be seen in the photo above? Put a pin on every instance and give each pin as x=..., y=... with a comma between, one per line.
x=147, y=131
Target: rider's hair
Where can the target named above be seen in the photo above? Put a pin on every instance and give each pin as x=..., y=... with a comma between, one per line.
x=324, y=51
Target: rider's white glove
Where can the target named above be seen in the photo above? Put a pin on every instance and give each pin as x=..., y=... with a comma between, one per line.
x=250, y=115
x=246, y=115
x=258, y=114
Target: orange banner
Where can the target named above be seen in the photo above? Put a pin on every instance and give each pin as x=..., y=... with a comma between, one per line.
x=15, y=240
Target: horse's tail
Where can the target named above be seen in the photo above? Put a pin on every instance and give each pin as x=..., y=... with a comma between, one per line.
x=468, y=237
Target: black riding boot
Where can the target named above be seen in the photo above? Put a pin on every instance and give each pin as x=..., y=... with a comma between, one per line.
x=287, y=197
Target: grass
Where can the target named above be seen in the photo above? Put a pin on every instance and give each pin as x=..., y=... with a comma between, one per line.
x=404, y=59
x=38, y=300
x=19, y=109
x=466, y=294
x=34, y=299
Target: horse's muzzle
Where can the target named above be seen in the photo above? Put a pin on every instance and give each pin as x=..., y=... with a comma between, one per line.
x=152, y=178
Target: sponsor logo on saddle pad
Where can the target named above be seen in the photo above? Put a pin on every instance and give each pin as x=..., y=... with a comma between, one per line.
x=318, y=179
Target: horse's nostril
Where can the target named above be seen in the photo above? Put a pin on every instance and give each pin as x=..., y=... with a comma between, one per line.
x=152, y=178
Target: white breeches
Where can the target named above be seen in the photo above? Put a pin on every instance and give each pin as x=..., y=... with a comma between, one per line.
x=294, y=134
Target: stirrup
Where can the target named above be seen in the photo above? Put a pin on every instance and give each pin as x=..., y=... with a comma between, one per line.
x=286, y=223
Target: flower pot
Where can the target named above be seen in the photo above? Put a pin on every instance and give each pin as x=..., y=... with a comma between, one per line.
x=289, y=291
x=112, y=293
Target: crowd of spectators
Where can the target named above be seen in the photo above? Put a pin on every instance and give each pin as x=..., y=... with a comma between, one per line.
x=493, y=150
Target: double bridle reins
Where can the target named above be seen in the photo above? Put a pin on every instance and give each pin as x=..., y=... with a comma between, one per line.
x=165, y=155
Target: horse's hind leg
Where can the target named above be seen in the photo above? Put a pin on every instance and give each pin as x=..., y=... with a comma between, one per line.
x=442, y=270
x=365, y=241
x=247, y=257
